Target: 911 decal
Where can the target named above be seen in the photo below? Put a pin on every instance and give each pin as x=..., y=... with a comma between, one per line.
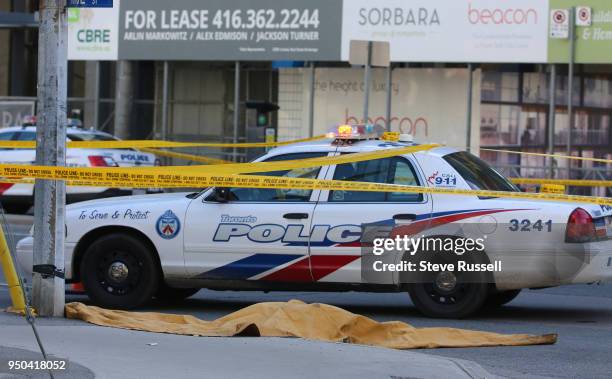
x=526, y=225
x=442, y=179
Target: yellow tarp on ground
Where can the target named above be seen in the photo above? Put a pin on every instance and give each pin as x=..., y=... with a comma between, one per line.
x=297, y=319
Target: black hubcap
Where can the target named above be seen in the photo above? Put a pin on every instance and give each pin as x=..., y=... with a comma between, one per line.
x=118, y=272
x=447, y=289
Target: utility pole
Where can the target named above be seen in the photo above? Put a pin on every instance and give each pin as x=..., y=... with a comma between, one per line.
x=470, y=91
x=49, y=195
x=570, y=87
x=124, y=94
x=552, y=87
x=367, y=74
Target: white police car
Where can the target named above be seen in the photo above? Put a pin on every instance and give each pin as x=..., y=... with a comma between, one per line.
x=128, y=250
x=18, y=198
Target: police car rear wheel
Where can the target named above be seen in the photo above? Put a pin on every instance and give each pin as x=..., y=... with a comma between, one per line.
x=119, y=271
x=437, y=301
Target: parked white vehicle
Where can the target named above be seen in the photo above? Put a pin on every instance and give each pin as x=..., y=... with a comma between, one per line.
x=18, y=198
x=128, y=250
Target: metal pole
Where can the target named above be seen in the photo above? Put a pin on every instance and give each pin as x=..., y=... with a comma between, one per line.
x=165, y=85
x=236, y=108
x=468, y=137
x=389, y=95
x=366, y=83
x=124, y=93
x=551, y=117
x=96, y=105
x=49, y=195
x=311, y=101
x=570, y=87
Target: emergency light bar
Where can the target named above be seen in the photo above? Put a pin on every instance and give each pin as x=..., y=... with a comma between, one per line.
x=355, y=132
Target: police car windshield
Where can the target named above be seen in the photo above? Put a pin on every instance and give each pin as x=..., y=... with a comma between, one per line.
x=478, y=174
x=90, y=137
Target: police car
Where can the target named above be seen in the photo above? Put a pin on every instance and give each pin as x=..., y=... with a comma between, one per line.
x=18, y=198
x=126, y=251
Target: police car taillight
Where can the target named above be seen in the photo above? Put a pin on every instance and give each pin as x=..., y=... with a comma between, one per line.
x=101, y=161
x=580, y=227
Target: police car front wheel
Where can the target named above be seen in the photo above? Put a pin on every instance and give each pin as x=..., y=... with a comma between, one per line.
x=119, y=271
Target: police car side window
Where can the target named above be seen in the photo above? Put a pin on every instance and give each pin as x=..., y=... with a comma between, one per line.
x=389, y=170
x=26, y=136
x=280, y=195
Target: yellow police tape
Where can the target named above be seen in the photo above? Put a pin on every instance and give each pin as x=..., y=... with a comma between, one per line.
x=549, y=155
x=226, y=175
x=138, y=144
x=185, y=156
x=565, y=182
x=165, y=180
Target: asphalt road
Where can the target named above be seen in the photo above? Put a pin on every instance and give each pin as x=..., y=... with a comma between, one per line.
x=581, y=315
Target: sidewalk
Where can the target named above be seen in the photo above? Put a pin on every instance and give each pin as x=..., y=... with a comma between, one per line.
x=116, y=353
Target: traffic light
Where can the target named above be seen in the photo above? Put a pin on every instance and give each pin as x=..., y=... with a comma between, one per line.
x=263, y=109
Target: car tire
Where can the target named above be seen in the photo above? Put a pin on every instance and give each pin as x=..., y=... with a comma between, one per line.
x=119, y=271
x=168, y=294
x=447, y=294
x=497, y=299
x=431, y=304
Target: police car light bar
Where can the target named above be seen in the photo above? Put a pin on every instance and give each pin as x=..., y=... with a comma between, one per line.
x=355, y=132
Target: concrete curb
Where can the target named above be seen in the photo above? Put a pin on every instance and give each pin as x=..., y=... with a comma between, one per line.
x=113, y=353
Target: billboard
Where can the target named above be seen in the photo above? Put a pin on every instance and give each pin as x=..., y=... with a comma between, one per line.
x=450, y=30
x=478, y=31
x=593, y=42
x=230, y=30
x=92, y=33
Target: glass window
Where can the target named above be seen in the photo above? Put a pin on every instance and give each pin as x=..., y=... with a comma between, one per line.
x=90, y=137
x=499, y=124
x=478, y=174
x=6, y=136
x=500, y=86
x=532, y=127
x=394, y=170
x=597, y=92
x=535, y=87
x=273, y=194
x=26, y=136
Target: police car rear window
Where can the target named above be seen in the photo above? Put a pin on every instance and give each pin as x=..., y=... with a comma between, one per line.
x=478, y=174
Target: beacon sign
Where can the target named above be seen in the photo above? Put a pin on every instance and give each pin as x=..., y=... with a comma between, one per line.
x=500, y=15
x=450, y=30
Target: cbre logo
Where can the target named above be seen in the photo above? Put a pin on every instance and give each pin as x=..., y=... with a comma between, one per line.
x=502, y=16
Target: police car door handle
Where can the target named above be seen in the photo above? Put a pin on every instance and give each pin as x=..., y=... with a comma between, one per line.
x=295, y=216
x=405, y=216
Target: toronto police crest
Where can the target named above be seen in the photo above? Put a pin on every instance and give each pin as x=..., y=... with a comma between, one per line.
x=168, y=225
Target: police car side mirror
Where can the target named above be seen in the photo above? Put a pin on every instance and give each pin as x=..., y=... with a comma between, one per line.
x=219, y=195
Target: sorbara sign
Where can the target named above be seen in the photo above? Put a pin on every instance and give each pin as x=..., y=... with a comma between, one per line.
x=450, y=30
